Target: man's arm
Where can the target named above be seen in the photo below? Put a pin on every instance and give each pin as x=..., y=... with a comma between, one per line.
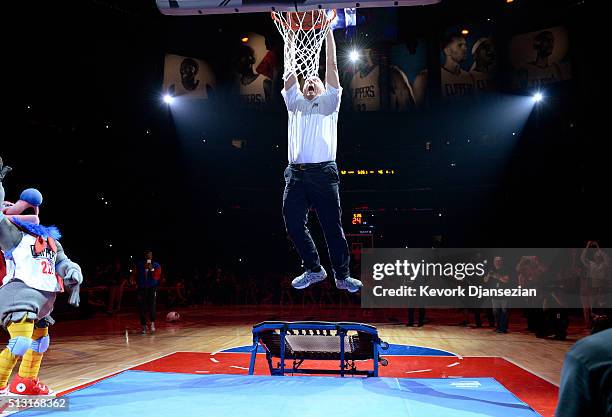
x=574, y=390
x=605, y=257
x=289, y=76
x=290, y=81
x=520, y=267
x=583, y=257
x=332, y=77
x=330, y=100
x=156, y=271
x=289, y=92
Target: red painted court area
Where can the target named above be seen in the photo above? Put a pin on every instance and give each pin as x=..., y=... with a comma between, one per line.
x=540, y=394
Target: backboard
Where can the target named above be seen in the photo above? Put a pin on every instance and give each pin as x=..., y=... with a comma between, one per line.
x=200, y=7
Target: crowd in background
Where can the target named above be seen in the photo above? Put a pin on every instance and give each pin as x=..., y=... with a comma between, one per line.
x=587, y=273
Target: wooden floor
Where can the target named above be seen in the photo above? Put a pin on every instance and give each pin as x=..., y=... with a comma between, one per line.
x=84, y=350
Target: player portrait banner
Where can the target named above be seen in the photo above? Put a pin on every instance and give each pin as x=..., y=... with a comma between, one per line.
x=468, y=63
x=408, y=61
x=548, y=279
x=187, y=77
x=257, y=63
x=364, y=85
x=540, y=58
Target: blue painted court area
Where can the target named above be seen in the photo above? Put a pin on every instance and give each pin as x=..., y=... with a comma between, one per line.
x=140, y=393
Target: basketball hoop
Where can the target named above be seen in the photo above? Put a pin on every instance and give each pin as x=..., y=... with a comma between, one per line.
x=303, y=33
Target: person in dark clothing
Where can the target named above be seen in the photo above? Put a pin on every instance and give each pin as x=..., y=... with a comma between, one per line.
x=499, y=278
x=147, y=275
x=586, y=378
x=531, y=274
x=555, y=285
x=488, y=312
x=411, y=316
x=482, y=308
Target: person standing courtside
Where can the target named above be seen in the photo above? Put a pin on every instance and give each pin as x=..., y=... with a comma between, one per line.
x=147, y=275
x=499, y=278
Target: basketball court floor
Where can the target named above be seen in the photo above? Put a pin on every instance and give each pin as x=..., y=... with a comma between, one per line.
x=199, y=366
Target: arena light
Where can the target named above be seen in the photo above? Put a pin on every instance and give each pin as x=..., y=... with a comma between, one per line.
x=537, y=97
x=465, y=32
x=245, y=39
x=168, y=99
x=354, y=55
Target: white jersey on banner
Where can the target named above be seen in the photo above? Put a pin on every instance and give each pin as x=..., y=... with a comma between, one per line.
x=35, y=270
x=365, y=90
x=537, y=76
x=456, y=85
x=483, y=81
x=254, y=92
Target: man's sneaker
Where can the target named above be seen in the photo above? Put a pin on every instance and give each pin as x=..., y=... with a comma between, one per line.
x=307, y=278
x=144, y=329
x=350, y=284
x=28, y=386
x=152, y=327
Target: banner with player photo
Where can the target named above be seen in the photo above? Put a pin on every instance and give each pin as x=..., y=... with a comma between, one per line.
x=187, y=77
x=363, y=80
x=367, y=76
x=257, y=64
x=407, y=62
x=468, y=63
x=540, y=58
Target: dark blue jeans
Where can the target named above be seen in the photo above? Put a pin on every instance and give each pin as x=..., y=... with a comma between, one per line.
x=146, y=304
x=500, y=310
x=316, y=186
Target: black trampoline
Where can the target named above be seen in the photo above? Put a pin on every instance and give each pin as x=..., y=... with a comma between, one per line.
x=344, y=342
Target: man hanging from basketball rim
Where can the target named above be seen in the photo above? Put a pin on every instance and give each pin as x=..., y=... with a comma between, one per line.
x=312, y=178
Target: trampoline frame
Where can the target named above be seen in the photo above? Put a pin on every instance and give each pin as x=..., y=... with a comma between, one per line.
x=341, y=329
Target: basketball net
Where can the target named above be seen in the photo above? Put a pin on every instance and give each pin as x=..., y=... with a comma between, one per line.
x=303, y=33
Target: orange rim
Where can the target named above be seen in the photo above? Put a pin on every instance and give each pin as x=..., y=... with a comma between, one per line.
x=318, y=26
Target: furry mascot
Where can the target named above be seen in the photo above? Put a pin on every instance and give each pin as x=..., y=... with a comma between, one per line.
x=35, y=270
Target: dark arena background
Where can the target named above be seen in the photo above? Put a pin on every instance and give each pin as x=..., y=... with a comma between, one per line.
x=137, y=127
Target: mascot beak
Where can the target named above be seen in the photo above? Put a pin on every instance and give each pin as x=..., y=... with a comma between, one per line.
x=30, y=201
x=15, y=210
